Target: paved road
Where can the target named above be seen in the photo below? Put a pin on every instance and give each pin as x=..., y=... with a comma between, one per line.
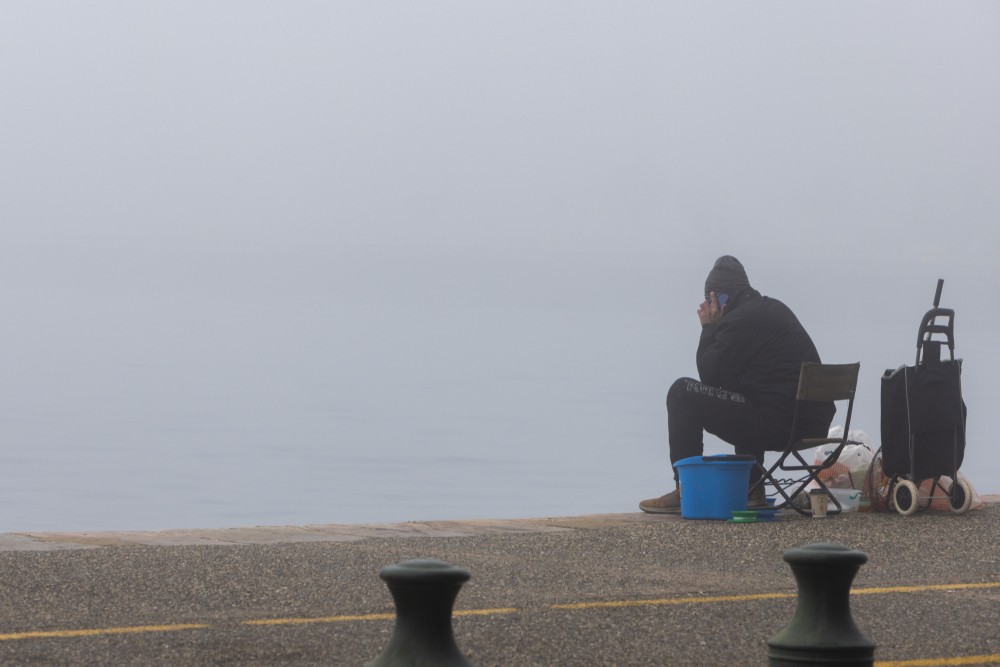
x=603, y=590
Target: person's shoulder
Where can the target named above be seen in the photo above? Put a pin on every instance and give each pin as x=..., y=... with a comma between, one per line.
x=768, y=308
x=777, y=311
x=776, y=304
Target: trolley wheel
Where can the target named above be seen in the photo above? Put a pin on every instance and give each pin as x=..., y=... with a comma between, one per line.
x=960, y=497
x=905, y=497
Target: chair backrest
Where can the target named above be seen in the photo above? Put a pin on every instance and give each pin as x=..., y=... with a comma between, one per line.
x=827, y=382
x=820, y=386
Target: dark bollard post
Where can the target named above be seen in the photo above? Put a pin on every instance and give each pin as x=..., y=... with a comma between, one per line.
x=424, y=592
x=822, y=631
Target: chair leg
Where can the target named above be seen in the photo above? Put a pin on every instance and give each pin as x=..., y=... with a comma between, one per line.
x=767, y=477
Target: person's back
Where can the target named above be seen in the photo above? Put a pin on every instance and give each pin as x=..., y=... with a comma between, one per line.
x=757, y=349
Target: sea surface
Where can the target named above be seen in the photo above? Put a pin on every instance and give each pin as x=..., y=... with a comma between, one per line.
x=184, y=389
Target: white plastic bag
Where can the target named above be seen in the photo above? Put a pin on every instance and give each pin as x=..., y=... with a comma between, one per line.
x=852, y=465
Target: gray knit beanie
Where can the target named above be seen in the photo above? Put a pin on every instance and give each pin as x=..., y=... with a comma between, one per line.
x=727, y=275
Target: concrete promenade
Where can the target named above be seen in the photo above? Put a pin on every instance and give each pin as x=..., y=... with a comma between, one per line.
x=624, y=589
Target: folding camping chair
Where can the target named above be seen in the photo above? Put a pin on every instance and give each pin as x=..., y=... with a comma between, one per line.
x=792, y=473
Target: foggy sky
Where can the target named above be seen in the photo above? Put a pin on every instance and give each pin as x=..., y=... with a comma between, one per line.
x=503, y=126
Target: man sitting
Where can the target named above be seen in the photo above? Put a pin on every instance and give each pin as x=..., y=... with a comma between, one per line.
x=749, y=356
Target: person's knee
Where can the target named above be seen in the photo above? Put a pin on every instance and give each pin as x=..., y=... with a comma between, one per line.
x=678, y=390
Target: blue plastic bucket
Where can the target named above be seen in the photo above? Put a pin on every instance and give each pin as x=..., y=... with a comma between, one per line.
x=712, y=487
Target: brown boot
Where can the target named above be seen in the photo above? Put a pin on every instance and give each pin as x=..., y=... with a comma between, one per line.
x=668, y=504
x=757, y=499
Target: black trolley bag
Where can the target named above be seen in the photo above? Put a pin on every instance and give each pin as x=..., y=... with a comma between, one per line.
x=923, y=417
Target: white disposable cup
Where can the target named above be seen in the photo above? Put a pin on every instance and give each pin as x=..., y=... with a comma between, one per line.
x=819, y=500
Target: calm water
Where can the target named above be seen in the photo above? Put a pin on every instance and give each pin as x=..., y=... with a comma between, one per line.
x=202, y=390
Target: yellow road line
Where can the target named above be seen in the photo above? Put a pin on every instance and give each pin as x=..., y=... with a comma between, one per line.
x=991, y=659
x=485, y=612
x=927, y=587
x=666, y=601
x=971, y=660
x=321, y=619
x=768, y=596
x=135, y=629
x=371, y=617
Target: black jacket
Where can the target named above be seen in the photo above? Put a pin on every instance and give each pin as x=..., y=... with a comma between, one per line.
x=757, y=349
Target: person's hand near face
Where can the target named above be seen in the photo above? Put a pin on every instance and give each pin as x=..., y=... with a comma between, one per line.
x=710, y=312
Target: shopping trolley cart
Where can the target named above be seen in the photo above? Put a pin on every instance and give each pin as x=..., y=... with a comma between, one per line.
x=923, y=420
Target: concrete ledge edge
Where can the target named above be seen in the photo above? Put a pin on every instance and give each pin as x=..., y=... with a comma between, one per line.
x=55, y=541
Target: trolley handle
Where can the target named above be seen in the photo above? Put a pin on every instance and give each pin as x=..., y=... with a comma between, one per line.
x=928, y=347
x=929, y=327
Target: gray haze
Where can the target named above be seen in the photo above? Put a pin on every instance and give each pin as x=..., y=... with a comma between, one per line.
x=349, y=261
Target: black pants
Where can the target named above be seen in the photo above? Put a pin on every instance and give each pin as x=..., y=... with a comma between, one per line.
x=693, y=408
